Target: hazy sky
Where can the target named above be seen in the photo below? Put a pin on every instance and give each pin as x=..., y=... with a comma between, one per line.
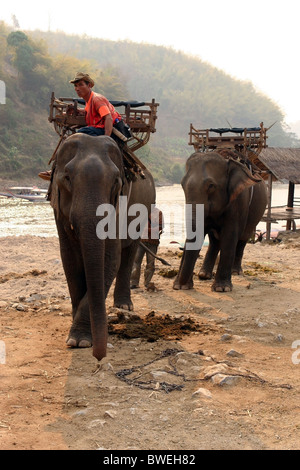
x=256, y=40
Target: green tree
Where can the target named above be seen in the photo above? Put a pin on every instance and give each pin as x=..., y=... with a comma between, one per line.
x=17, y=38
x=176, y=173
x=188, y=90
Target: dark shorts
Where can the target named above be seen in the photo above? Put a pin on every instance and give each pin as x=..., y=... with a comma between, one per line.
x=91, y=130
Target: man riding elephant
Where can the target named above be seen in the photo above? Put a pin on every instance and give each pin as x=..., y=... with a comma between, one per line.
x=100, y=114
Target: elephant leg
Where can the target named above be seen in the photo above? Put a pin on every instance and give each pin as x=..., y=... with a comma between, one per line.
x=80, y=331
x=228, y=246
x=184, y=279
x=80, y=334
x=73, y=267
x=237, y=265
x=136, y=269
x=206, y=271
x=150, y=266
x=122, y=296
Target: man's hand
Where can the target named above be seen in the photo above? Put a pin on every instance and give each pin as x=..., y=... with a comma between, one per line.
x=70, y=110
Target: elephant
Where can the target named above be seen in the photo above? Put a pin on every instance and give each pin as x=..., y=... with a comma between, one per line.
x=89, y=174
x=234, y=201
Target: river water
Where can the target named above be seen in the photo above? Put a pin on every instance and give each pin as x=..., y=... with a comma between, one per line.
x=19, y=217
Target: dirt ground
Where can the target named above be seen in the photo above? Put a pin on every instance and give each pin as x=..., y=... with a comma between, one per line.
x=187, y=370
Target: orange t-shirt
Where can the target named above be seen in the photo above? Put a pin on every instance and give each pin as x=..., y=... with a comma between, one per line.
x=97, y=108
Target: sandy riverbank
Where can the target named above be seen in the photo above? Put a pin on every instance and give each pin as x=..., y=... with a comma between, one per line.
x=58, y=398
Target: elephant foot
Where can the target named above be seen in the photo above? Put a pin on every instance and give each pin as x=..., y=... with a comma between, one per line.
x=205, y=275
x=237, y=271
x=187, y=286
x=222, y=286
x=79, y=339
x=74, y=343
x=124, y=306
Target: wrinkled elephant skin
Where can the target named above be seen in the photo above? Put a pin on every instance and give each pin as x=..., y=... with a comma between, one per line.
x=88, y=173
x=234, y=201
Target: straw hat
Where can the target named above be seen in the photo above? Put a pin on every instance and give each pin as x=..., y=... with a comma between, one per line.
x=83, y=76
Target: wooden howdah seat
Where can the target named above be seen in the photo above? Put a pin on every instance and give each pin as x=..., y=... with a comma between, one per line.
x=242, y=141
x=139, y=116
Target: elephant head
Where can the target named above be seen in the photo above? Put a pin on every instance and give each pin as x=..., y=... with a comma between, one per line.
x=215, y=182
x=88, y=173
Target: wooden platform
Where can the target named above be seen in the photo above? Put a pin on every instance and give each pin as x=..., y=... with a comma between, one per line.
x=246, y=141
x=275, y=214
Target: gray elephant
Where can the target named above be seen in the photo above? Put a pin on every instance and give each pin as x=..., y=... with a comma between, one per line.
x=88, y=176
x=234, y=201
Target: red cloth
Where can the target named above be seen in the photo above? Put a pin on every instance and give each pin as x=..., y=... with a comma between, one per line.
x=97, y=108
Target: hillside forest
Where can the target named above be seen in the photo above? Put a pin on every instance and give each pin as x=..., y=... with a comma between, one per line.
x=188, y=90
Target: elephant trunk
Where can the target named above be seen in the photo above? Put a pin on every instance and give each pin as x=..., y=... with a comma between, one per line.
x=93, y=252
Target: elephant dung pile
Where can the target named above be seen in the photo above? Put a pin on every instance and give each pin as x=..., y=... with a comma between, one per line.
x=152, y=327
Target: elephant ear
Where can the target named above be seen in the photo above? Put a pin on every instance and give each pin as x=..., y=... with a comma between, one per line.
x=54, y=196
x=62, y=158
x=239, y=178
